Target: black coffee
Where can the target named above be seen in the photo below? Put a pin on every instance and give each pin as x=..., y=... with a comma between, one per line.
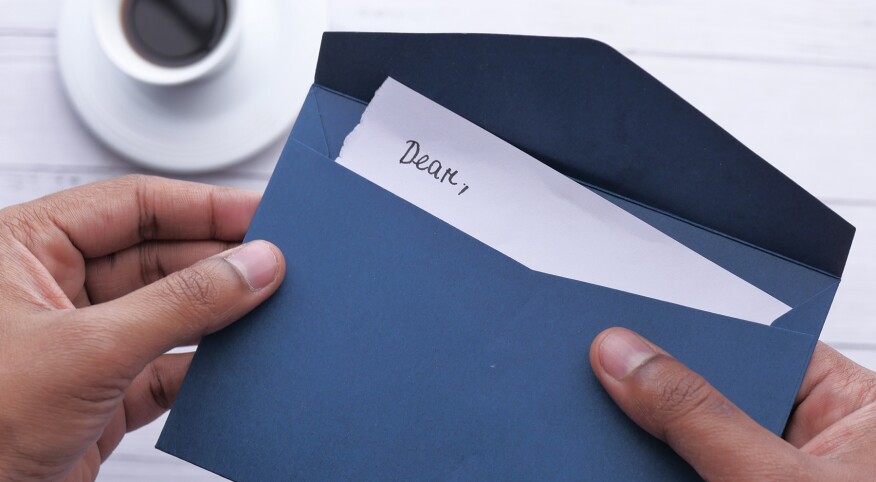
x=174, y=33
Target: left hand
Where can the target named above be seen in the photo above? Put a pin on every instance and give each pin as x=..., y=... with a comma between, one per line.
x=98, y=282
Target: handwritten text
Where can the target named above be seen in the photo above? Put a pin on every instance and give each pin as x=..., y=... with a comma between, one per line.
x=431, y=166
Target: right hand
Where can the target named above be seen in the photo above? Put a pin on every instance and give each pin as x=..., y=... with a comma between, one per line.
x=831, y=434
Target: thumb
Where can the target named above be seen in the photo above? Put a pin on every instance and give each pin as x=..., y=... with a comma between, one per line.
x=187, y=304
x=681, y=408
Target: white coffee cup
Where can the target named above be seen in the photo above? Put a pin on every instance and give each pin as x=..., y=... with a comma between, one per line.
x=107, y=16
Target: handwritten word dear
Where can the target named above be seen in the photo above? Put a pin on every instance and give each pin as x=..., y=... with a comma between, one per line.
x=431, y=166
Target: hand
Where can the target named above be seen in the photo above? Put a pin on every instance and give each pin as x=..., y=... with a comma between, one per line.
x=831, y=434
x=97, y=284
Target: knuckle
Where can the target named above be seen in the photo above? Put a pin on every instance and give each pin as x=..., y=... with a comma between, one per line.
x=157, y=387
x=850, y=379
x=861, y=386
x=673, y=393
x=680, y=392
x=134, y=180
x=143, y=189
x=148, y=221
x=194, y=287
x=151, y=266
x=25, y=223
x=673, y=397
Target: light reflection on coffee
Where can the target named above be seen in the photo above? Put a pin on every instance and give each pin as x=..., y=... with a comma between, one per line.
x=174, y=33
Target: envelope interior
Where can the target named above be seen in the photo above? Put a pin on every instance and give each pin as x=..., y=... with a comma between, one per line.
x=328, y=117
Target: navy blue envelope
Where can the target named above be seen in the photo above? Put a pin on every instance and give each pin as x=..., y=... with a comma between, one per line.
x=400, y=348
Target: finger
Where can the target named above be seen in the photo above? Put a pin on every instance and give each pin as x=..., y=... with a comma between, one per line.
x=105, y=217
x=150, y=394
x=117, y=274
x=184, y=306
x=679, y=407
x=155, y=389
x=825, y=360
x=833, y=388
x=851, y=439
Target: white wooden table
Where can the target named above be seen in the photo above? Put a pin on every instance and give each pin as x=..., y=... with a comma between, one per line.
x=795, y=80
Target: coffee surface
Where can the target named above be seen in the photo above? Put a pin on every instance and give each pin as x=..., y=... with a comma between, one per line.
x=174, y=33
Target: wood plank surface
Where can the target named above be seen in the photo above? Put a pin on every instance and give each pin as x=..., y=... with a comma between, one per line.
x=794, y=80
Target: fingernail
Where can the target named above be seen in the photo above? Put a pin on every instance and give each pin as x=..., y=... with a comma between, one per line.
x=256, y=263
x=622, y=351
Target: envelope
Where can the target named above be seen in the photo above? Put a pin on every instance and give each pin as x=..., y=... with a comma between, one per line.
x=399, y=347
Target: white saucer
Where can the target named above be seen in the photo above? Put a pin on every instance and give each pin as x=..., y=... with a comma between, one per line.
x=210, y=123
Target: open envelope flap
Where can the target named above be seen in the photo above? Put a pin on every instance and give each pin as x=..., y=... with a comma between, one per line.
x=327, y=117
x=587, y=111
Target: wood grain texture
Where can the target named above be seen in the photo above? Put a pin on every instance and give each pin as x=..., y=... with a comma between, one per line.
x=794, y=80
